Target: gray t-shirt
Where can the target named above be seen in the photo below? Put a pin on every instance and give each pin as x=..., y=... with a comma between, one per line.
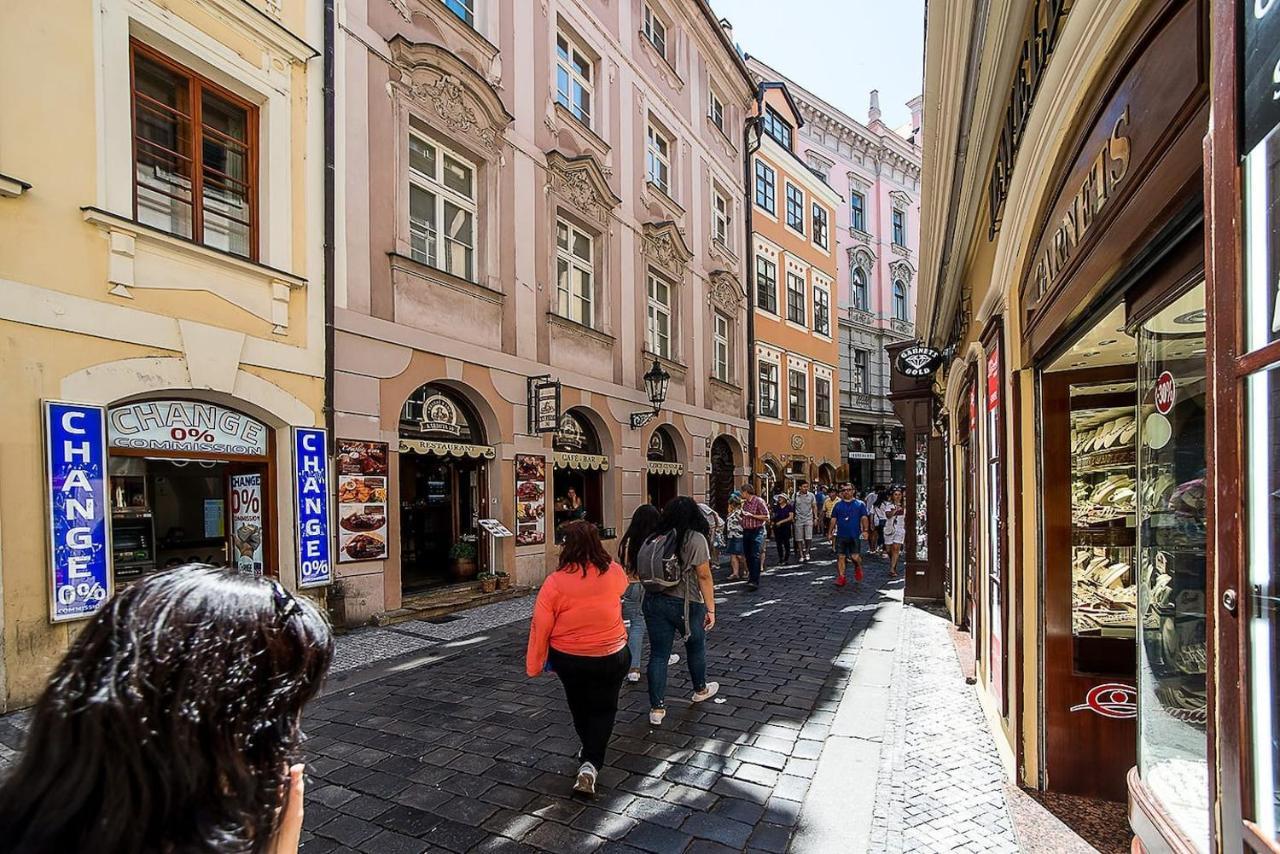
x=693, y=554
x=806, y=505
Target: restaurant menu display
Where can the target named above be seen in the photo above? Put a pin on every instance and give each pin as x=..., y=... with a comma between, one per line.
x=362, y=500
x=531, y=500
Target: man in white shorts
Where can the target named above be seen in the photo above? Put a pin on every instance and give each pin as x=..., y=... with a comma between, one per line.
x=806, y=510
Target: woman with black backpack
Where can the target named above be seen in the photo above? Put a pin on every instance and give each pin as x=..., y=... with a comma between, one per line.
x=643, y=523
x=675, y=567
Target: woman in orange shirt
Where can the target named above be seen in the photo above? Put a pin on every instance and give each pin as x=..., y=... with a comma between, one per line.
x=577, y=631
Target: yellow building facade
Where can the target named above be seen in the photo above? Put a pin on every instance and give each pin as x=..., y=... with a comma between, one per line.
x=161, y=247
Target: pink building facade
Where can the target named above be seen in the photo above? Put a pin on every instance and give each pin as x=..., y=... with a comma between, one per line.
x=876, y=169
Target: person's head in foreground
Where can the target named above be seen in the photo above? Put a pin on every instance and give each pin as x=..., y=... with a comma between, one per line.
x=173, y=723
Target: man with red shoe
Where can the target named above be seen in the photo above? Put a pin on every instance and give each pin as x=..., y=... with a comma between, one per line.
x=849, y=524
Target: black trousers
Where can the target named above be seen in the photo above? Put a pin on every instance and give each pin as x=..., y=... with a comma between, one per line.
x=782, y=536
x=591, y=685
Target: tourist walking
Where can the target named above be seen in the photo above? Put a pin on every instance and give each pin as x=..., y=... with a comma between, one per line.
x=577, y=630
x=870, y=499
x=172, y=723
x=733, y=539
x=643, y=523
x=674, y=565
x=806, y=512
x=848, y=527
x=784, y=517
x=755, y=515
x=895, y=528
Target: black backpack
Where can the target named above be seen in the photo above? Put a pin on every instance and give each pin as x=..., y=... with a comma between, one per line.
x=658, y=563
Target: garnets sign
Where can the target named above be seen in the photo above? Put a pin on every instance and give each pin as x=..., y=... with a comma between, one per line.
x=918, y=361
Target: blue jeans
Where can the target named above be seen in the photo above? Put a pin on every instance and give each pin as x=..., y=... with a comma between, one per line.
x=753, y=545
x=632, y=613
x=664, y=615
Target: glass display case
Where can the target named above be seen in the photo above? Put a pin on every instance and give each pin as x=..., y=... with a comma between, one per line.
x=922, y=496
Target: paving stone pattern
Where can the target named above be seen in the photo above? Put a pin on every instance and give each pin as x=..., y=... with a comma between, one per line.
x=941, y=786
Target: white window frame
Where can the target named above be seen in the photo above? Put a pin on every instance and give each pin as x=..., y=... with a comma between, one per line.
x=804, y=309
x=720, y=216
x=854, y=290
x=566, y=299
x=860, y=210
x=800, y=192
x=658, y=343
x=654, y=27
x=861, y=373
x=722, y=343
x=898, y=284
x=715, y=108
x=899, y=213
x=442, y=193
x=819, y=215
x=804, y=397
x=826, y=301
x=468, y=5
x=761, y=366
x=565, y=65
x=655, y=158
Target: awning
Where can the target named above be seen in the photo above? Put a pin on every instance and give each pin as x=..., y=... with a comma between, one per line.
x=585, y=462
x=659, y=467
x=447, y=449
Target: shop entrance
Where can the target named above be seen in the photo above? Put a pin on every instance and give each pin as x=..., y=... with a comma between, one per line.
x=663, y=481
x=443, y=476
x=579, y=472
x=721, y=475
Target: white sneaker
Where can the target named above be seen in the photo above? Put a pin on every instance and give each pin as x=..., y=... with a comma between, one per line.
x=706, y=693
x=586, y=782
x=633, y=676
x=673, y=660
x=656, y=716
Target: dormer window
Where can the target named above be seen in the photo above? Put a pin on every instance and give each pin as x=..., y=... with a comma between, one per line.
x=777, y=127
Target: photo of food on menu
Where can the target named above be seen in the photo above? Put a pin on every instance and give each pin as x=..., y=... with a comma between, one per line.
x=362, y=500
x=531, y=500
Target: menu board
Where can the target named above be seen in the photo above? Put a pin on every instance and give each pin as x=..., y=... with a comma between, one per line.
x=531, y=500
x=362, y=500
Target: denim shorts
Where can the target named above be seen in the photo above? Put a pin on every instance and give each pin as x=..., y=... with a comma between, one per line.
x=848, y=546
x=733, y=546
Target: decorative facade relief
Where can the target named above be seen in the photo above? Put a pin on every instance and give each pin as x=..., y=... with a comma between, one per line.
x=664, y=246
x=455, y=94
x=902, y=270
x=724, y=292
x=581, y=184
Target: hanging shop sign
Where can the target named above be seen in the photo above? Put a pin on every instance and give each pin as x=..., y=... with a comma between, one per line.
x=583, y=462
x=918, y=361
x=1261, y=78
x=665, y=468
x=1110, y=700
x=246, y=523
x=186, y=426
x=362, y=499
x=1047, y=17
x=531, y=499
x=544, y=404
x=311, y=475
x=447, y=449
x=75, y=465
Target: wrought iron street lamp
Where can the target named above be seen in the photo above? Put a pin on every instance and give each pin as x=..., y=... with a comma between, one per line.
x=655, y=384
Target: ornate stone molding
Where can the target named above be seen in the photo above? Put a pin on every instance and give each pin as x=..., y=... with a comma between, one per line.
x=664, y=246
x=900, y=198
x=861, y=256
x=723, y=292
x=581, y=184
x=455, y=95
x=902, y=270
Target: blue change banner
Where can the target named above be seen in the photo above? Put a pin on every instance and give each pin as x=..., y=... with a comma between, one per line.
x=311, y=476
x=79, y=546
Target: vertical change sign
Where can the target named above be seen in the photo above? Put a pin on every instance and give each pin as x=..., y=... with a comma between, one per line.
x=75, y=453
x=311, y=480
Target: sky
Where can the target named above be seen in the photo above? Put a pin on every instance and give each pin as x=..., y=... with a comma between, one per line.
x=838, y=49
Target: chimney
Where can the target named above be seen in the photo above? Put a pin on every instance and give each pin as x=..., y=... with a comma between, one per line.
x=873, y=114
x=728, y=29
x=916, y=105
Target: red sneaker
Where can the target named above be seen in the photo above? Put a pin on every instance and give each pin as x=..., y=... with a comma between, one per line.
x=857, y=574
x=841, y=581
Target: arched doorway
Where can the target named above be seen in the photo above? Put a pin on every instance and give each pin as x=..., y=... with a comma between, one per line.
x=722, y=469
x=579, y=471
x=664, y=470
x=772, y=480
x=827, y=474
x=443, y=459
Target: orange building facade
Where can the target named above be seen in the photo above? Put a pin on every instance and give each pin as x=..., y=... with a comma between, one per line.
x=796, y=337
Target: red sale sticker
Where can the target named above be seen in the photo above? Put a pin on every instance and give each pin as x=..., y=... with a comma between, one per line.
x=1164, y=393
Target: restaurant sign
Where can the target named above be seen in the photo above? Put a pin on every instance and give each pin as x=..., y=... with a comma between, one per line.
x=187, y=426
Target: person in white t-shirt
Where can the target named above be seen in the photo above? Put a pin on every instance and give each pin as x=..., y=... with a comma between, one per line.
x=806, y=512
x=895, y=528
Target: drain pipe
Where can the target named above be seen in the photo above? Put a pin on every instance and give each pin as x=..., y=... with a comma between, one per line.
x=752, y=123
x=330, y=211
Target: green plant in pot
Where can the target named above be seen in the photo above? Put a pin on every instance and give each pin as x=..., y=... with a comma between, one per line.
x=488, y=582
x=504, y=580
x=463, y=554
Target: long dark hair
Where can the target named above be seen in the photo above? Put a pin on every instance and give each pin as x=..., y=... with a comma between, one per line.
x=643, y=523
x=683, y=516
x=582, y=548
x=170, y=724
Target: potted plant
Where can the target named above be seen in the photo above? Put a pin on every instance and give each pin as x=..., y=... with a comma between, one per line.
x=488, y=582
x=504, y=580
x=463, y=554
x=336, y=603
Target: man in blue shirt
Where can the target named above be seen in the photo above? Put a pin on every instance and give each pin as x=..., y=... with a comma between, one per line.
x=849, y=524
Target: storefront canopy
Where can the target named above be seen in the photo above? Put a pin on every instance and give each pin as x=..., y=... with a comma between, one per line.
x=660, y=467
x=447, y=449
x=585, y=462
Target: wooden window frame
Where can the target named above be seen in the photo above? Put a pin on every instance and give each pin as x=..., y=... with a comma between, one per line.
x=774, y=380
x=576, y=264
x=900, y=227
x=803, y=387
x=796, y=225
x=821, y=413
x=823, y=328
x=821, y=237
x=766, y=180
x=804, y=311
x=858, y=287
x=857, y=210
x=196, y=83
x=770, y=305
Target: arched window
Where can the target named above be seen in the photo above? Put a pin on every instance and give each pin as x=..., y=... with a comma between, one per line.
x=436, y=412
x=858, y=282
x=899, y=300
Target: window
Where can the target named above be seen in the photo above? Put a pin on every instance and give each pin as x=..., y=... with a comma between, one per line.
x=858, y=285
x=857, y=211
x=797, y=397
x=655, y=31
x=573, y=79
x=768, y=390
x=899, y=228
x=715, y=109
x=861, y=379
x=899, y=300
x=720, y=345
x=464, y=9
x=819, y=226
x=821, y=311
x=658, y=331
x=777, y=127
x=442, y=206
x=766, y=284
x=822, y=401
x=766, y=187
x=194, y=157
x=719, y=217
x=659, y=160
x=575, y=274
x=795, y=298
x=795, y=207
